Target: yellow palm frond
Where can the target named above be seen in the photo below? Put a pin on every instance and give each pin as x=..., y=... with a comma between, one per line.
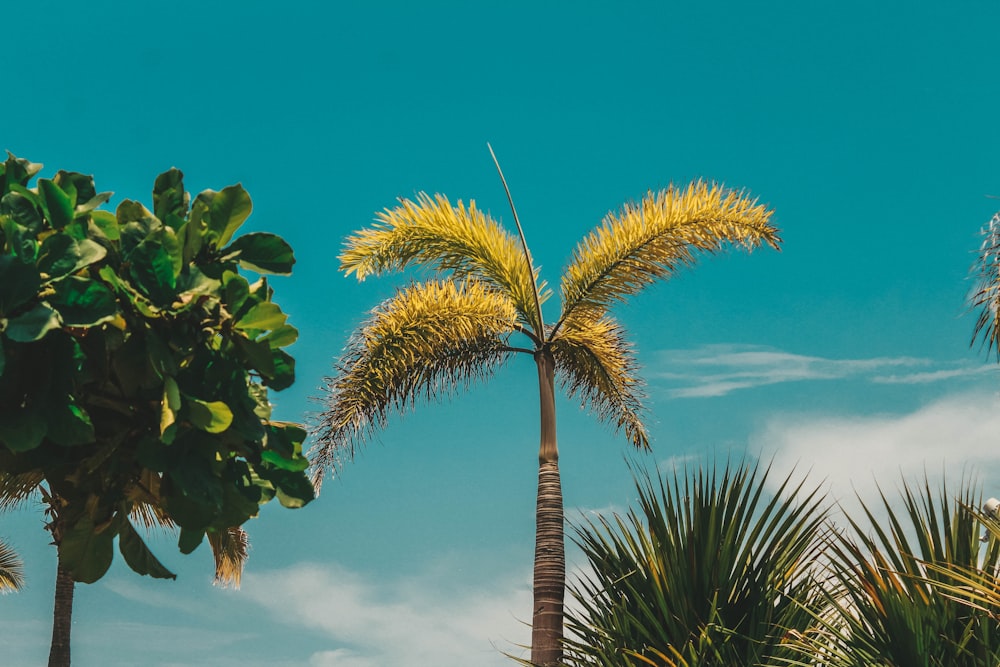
x=596, y=363
x=428, y=340
x=11, y=569
x=459, y=239
x=231, y=549
x=651, y=240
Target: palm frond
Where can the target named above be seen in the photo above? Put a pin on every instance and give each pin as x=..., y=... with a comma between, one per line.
x=11, y=569
x=231, y=549
x=458, y=239
x=986, y=296
x=652, y=239
x=16, y=489
x=708, y=571
x=427, y=341
x=595, y=362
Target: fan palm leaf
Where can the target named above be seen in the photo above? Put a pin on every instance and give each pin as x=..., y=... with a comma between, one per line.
x=11, y=569
x=986, y=296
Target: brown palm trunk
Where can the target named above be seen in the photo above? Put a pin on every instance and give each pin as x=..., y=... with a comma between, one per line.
x=550, y=556
x=62, y=619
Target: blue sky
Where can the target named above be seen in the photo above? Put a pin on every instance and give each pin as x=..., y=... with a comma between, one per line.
x=870, y=128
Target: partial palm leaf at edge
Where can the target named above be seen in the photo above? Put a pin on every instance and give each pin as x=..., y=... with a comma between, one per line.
x=16, y=489
x=649, y=241
x=986, y=296
x=11, y=569
x=464, y=240
x=429, y=340
x=596, y=363
x=230, y=548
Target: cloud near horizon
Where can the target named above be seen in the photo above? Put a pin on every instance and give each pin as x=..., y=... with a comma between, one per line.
x=717, y=370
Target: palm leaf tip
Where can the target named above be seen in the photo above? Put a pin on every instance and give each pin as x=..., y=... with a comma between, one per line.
x=654, y=238
x=986, y=295
x=231, y=549
x=11, y=569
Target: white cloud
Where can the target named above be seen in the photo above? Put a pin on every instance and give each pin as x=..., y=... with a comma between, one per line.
x=956, y=437
x=717, y=370
x=415, y=619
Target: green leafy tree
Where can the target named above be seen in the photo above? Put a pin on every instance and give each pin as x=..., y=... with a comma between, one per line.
x=436, y=336
x=710, y=570
x=135, y=363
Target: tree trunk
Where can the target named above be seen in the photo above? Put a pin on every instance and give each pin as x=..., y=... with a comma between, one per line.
x=550, y=549
x=62, y=619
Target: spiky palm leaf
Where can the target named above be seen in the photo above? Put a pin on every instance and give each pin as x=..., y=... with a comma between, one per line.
x=11, y=569
x=649, y=241
x=708, y=571
x=886, y=607
x=986, y=296
x=426, y=341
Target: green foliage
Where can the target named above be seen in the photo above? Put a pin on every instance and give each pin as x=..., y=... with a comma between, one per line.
x=709, y=571
x=135, y=363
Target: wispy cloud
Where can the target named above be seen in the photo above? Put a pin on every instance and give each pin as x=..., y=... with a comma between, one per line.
x=717, y=370
x=418, y=619
x=954, y=438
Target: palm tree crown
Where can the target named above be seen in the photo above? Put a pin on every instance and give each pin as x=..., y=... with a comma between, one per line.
x=433, y=337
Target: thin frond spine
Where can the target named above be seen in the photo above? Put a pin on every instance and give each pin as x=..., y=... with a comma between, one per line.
x=654, y=238
x=428, y=341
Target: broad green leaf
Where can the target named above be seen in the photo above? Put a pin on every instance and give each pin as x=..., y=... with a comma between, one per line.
x=58, y=203
x=209, y=416
x=284, y=371
x=257, y=354
x=85, y=551
x=169, y=406
x=276, y=459
x=22, y=430
x=293, y=489
x=152, y=270
x=189, y=540
x=169, y=198
x=61, y=255
x=80, y=184
x=262, y=317
x=138, y=556
x=237, y=289
x=20, y=240
x=228, y=210
x=69, y=425
x=19, y=283
x=91, y=204
x=16, y=171
x=282, y=336
x=23, y=207
x=32, y=325
x=107, y=223
x=262, y=252
x=3, y=358
x=83, y=302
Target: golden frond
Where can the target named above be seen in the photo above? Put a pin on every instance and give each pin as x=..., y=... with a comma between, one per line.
x=458, y=239
x=15, y=489
x=986, y=297
x=596, y=363
x=11, y=569
x=428, y=340
x=651, y=240
x=231, y=549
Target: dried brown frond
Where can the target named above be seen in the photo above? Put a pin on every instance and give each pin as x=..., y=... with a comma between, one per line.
x=459, y=239
x=231, y=549
x=11, y=569
x=651, y=240
x=427, y=341
x=596, y=363
x=986, y=297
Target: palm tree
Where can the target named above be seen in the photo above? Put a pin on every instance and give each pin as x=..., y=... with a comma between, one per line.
x=11, y=569
x=709, y=571
x=435, y=336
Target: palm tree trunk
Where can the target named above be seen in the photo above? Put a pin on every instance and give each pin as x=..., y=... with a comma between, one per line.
x=62, y=619
x=550, y=556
